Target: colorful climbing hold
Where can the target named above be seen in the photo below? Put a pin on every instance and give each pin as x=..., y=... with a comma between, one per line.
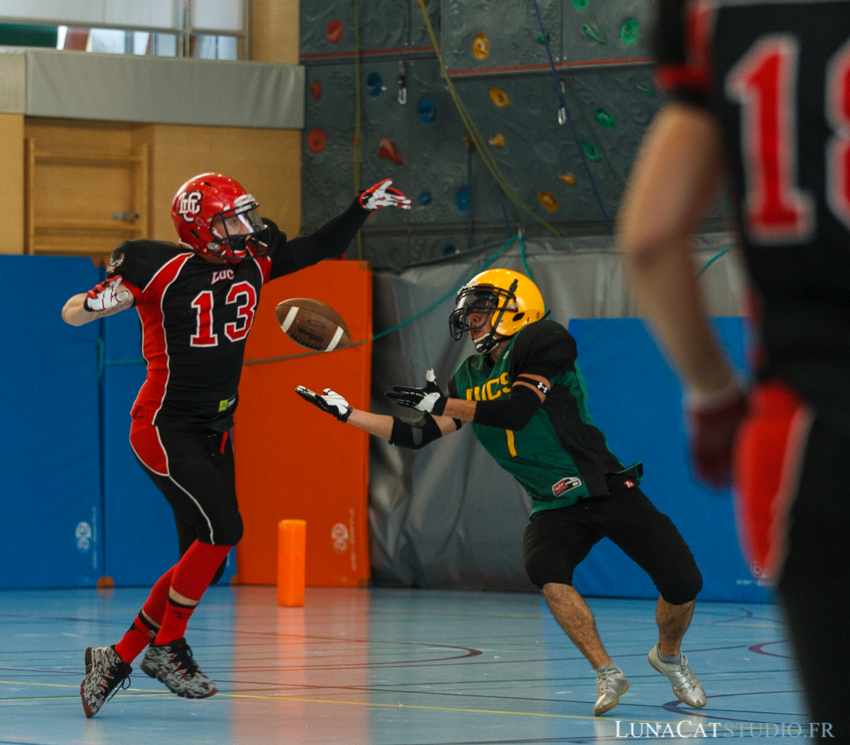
x=547, y=200
x=541, y=38
x=316, y=90
x=647, y=89
x=388, y=150
x=462, y=200
x=334, y=31
x=316, y=141
x=426, y=110
x=481, y=46
x=605, y=119
x=580, y=4
x=498, y=140
x=467, y=145
x=567, y=178
x=590, y=151
x=374, y=84
x=449, y=250
x=629, y=31
x=500, y=98
x=425, y=198
x=593, y=31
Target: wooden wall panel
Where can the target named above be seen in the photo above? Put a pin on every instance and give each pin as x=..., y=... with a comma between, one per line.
x=84, y=173
x=267, y=162
x=274, y=31
x=12, y=183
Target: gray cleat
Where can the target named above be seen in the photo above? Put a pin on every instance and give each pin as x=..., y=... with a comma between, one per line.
x=685, y=684
x=172, y=665
x=610, y=685
x=105, y=674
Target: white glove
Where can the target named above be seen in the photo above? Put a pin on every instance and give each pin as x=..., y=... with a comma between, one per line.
x=331, y=402
x=106, y=296
x=381, y=195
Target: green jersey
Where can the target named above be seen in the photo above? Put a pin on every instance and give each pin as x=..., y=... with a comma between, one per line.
x=560, y=456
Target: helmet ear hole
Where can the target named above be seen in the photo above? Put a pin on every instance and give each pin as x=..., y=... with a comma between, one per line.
x=519, y=316
x=196, y=234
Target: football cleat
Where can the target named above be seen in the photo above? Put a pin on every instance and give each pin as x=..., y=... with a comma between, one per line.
x=172, y=665
x=106, y=674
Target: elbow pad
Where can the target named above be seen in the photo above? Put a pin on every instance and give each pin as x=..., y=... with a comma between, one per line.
x=414, y=433
x=512, y=413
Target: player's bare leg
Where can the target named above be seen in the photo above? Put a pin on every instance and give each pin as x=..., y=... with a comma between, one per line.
x=576, y=619
x=673, y=622
x=666, y=656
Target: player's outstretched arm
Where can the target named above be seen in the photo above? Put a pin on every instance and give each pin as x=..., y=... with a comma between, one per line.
x=509, y=412
x=105, y=299
x=410, y=433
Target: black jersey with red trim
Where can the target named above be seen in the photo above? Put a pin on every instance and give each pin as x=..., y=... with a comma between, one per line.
x=777, y=77
x=196, y=316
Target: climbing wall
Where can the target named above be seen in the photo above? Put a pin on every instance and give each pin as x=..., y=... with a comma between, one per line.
x=561, y=93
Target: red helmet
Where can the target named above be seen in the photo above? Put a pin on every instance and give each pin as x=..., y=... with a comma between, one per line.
x=215, y=216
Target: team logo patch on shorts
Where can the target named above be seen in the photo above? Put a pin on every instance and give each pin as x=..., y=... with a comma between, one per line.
x=565, y=485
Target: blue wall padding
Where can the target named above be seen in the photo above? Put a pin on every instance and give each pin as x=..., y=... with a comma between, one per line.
x=141, y=541
x=636, y=400
x=50, y=442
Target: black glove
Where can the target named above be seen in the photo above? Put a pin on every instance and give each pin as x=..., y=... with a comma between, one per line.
x=430, y=398
x=331, y=402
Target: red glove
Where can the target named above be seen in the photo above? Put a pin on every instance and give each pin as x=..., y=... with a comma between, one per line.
x=713, y=423
x=381, y=195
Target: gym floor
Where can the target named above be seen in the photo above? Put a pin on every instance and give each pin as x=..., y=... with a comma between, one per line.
x=412, y=667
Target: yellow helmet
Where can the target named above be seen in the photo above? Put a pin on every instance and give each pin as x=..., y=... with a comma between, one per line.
x=512, y=298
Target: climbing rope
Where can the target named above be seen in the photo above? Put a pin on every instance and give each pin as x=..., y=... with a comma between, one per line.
x=569, y=118
x=101, y=347
x=475, y=134
x=358, y=151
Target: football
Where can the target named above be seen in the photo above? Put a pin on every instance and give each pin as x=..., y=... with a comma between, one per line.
x=312, y=324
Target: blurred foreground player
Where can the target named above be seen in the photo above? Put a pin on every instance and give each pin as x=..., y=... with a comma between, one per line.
x=760, y=92
x=525, y=396
x=196, y=300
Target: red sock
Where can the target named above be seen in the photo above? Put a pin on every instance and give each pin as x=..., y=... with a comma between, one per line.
x=139, y=635
x=143, y=631
x=191, y=578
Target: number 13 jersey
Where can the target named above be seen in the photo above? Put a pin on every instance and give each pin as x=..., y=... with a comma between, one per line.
x=195, y=317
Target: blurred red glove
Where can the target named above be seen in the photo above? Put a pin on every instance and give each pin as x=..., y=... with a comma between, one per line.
x=381, y=195
x=713, y=423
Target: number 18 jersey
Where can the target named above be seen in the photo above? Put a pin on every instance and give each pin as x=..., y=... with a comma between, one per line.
x=776, y=75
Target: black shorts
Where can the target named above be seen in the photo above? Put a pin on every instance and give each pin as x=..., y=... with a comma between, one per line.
x=194, y=469
x=557, y=541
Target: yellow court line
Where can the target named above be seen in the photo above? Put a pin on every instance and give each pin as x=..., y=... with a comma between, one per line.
x=285, y=699
x=435, y=708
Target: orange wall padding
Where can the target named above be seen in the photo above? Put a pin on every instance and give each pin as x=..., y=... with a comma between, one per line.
x=294, y=461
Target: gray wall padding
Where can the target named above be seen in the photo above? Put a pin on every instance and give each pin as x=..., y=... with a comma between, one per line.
x=80, y=85
x=13, y=81
x=447, y=516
